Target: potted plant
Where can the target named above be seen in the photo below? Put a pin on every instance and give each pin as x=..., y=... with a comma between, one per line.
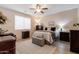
x=2, y=21
x=2, y=18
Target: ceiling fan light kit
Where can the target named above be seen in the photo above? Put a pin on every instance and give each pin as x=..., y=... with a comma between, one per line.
x=38, y=9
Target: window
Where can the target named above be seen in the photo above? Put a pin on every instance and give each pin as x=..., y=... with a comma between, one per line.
x=22, y=22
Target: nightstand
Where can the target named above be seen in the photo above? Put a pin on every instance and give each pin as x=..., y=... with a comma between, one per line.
x=64, y=36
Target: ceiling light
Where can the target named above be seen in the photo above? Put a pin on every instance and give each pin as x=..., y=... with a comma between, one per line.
x=39, y=8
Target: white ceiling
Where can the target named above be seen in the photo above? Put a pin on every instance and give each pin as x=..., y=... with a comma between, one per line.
x=52, y=8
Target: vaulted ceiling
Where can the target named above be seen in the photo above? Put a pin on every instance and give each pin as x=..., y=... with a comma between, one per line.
x=52, y=8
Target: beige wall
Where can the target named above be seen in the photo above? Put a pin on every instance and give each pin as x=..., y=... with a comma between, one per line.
x=10, y=14
x=78, y=15
x=65, y=18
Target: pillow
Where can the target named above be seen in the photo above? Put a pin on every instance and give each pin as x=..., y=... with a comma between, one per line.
x=38, y=34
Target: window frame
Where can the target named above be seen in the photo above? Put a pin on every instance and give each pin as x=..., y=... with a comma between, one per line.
x=23, y=28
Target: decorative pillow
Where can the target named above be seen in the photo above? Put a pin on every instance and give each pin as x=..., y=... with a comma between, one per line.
x=38, y=34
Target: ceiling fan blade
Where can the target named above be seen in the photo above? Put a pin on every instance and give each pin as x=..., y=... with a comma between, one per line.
x=42, y=12
x=44, y=8
x=38, y=6
x=35, y=12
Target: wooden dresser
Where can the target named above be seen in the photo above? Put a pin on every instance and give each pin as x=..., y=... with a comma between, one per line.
x=64, y=36
x=74, y=41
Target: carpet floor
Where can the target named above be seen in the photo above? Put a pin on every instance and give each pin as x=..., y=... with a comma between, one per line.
x=27, y=47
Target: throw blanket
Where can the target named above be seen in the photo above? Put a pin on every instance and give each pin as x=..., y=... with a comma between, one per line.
x=43, y=34
x=5, y=38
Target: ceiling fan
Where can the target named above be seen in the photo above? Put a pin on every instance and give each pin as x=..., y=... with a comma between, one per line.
x=38, y=9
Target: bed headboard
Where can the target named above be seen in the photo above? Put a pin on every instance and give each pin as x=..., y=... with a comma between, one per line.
x=53, y=28
x=39, y=27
